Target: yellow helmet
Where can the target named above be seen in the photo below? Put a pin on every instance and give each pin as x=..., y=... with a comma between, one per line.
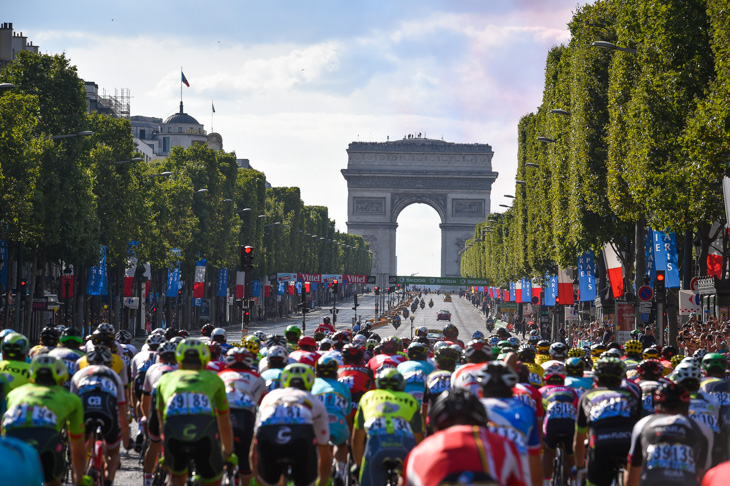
x=47, y=366
x=633, y=346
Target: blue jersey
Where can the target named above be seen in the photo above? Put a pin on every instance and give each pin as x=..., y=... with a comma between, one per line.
x=415, y=374
x=515, y=420
x=337, y=399
x=581, y=385
x=272, y=377
x=436, y=383
x=19, y=461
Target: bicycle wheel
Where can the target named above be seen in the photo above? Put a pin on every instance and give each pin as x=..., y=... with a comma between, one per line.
x=160, y=475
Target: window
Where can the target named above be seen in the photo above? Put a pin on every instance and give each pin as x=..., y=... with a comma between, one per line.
x=165, y=144
x=142, y=134
x=169, y=129
x=179, y=130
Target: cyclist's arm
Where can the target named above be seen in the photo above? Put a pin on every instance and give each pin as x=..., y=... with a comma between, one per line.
x=224, y=419
x=124, y=423
x=579, y=447
x=76, y=439
x=325, y=463
x=358, y=445
x=632, y=476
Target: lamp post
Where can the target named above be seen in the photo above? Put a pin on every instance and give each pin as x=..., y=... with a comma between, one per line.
x=85, y=133
x=6, y=86
x=612, y=47
x=413, y=318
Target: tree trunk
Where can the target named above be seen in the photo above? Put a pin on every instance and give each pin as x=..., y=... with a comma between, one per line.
x=640, y=265
x=672, y=316
x=28, y=316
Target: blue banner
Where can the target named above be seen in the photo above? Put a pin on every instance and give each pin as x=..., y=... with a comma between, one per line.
x=660, y=252
x=649, y=255
x=587, y=276
x=280, y=289
x=551, y=289
x=4, y=265
x=512, y=292
x=298, y=285
x=96, y=275
x=673, y=281
x=173, y=282
x=526, y=291
x=256, y=288
x=313, y=286
x=221, y=289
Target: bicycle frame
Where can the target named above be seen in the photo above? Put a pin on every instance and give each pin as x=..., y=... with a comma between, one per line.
x=96, y=467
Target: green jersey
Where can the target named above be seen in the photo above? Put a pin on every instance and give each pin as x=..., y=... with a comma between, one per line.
x=387, y=412
x=16, y=372
x=191, y=392
x=44, y=406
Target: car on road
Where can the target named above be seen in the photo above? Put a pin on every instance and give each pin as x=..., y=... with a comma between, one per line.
x=434, y=335
x=443, y=315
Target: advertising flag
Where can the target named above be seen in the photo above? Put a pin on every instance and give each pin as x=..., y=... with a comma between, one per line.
x=173, y=282
x=551, y=289
x=649, y=255
x=672, y=271
x=587, y=276
x=526, y=286
x=256, y=288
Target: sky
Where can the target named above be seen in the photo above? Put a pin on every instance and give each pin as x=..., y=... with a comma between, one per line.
x=293, y=83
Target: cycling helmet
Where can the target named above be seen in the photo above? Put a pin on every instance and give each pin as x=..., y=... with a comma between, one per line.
x=689, y=369
x=15, y=346
x=101, y=338
x=327, y=367
x=183, y=333
x=177, y=340
x=154, y=340
x=555, y=373
x=671, y=394
x=106, y=327
x=650, y=369
x=616, y=353
x=360, y=340
x=497, y=378
x=49, y=336
x=390, y=379
x=533, y=338
x=514, y=342
x=477, y=335
x=576, y=353
x=252, y=343
x=71, y=334
x=608, y=368
x=100, y=355
x=446, y=353
x=668, y=352
x=422, y=331
x=341, y=338
x=632, y=346
x=123, y=336
x=457, y=407
x=192, y=350
x=167, y=350
x=307, y=343
x=526, y=353
x=297, y=375
x=48, y=368
x=558, y=351
x=651, y=353
x=700, y=354
x=219, y=334
x=375, y=336
x=261, y=335
x=714, y=361
x=239, y=358
x=370, y=345
x=477, y=351
x=159, y=331
x=676, y=359
x=575, y=366
x=277, y=354
x=215, y=349
x=326, y=320
x=390, y=345
x=275, y=340
x=326, y=344
x=292, y=331
x=352, y=354
x=207, y=329
x=451, y=329
x=417, y=352
x=543, y=347
x=319, y=335
x=171, y=332
x=493, y=341
x=598, y=349
x=614, y=345
x=504, y=344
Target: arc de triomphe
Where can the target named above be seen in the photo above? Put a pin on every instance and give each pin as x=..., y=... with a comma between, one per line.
x=384, y=178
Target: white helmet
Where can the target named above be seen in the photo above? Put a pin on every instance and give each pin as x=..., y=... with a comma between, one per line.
x=219, y=334
x=688, y=369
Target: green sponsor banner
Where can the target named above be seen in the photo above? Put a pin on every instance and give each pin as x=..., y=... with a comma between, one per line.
x=457, y=281
x=508, y=305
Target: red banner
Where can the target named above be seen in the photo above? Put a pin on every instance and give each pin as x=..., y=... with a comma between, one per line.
x=310, y=277
x=128, y=282
x=355, y=279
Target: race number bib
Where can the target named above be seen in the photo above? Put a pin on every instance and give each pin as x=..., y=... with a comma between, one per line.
x=285, y=413
x=561, y=410
x=189, y=403
x=102, y=383
x=39, y=416
x=238, y=398
x=678, y=457
x=388, y=425
x=708, y=419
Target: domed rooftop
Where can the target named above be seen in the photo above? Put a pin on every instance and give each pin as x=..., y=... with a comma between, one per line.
x=182, y=117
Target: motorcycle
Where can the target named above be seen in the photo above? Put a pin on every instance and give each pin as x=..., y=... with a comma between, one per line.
x=490, y=325
x=430, y=304
x=423, y=305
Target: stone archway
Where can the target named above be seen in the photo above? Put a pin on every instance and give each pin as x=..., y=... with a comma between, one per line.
x=385, y=178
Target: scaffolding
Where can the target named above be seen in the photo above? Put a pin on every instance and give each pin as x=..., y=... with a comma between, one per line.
x=118, y=104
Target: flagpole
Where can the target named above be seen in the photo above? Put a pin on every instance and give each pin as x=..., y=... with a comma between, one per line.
x=181, y=75
x=211, y=116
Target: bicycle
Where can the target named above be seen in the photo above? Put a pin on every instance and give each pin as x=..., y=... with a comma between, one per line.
x=393, y=467
x=96, y=467
x=560, y=477
x=159, y=477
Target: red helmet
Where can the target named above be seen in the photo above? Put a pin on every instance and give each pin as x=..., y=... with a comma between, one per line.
x=352, y=354
x=307, y=343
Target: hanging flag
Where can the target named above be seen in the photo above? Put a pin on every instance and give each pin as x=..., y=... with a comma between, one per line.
x=184, y=79
x=222, y=288
x=649, y=255
x=587, y=276
x=615, y=270
x=536, y=294
x=173, y=282
x=518, y=291
x=714, y=255
x=551, y=289
x=512, y=292
x=240, y=284
x=498, y=293
x=672, y=272
x=526, y=289
x=67, y=285
x=3, y=265
x=95, y=281
x=212, y=106
x=255, y=288
x=199, y=283
x=565, y=287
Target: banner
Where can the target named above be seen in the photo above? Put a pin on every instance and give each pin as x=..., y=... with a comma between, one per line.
x=173, y=282
x=354, y=279
x=67, y=283
x=615, y=270
x=565, y=288
x=512, y=292
x=309, y=277
x=222, y=288
x=551, y=289
x=280, y=288
x=672, y=271
x=95, y=283
x=649, y=255
x=199, y=283
x=587, y=276
x=498, y=293
x=256, y=288
x=131, y=268
x=457, y=281
x=240, y=284
x=526, y=290
x=689, y=303
x=536, y=294
x=714, y=255
x=286, y=277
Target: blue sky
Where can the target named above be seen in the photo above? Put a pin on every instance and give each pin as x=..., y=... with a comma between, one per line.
x=294, y=82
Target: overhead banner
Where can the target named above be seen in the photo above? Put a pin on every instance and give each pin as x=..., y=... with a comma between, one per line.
x=587, y=276
x=458, y=281
x=355, y=279
x=309, y=277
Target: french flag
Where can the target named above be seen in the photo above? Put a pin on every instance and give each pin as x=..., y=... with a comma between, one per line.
x=536, y=292
x=199, y=284
x=518, y=291
x=565, y=287
x=185, y=82
x=714, y=253
x=240, y=282
x=615, y=270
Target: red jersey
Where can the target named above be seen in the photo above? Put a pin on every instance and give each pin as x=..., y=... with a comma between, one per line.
x=359, y=379
x=465, y=376
x=305, y=357
x=325, y=328
x=215, y=366
x=529, y=395
x=385, y=361
x=445, y=456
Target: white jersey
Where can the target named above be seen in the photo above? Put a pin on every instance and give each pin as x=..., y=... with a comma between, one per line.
x=291, y=406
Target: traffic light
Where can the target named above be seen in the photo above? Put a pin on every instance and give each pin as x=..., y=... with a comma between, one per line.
x=377, y=290
x=335, y=286
x=246, y=258
x=355, y=304
x=23, y=290
x=660, y=292
x=303, y=303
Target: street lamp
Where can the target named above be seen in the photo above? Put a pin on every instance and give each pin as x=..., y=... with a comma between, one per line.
x=261, y=216
x=560, y=111
x=244, y=210
x=85, y=133
x=201, y=191
x=509, y=196
x=522, y=183
x=612, y=47
x=545, y=140
x=531, y=164
x=136, y=159
x=6, y=86
x=504, y=206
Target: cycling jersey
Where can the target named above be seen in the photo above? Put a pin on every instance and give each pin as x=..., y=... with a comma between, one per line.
x=465, y=376
x=648, y=387
x=560, y=403
x=272, y=378
x=191, y=392
x=16, y=372
x=513, y=419
x=19, y=461
x=153, y=375
x=117, y=365
x=215, y=366
x=717, y=476
x=359, y=380
x=530, y=396
x=291, y=406
x=705, y=408
x=670, y=449
x=436, y=383
x=719, y=388
x=536, y=374
x=381, y=361
x=306, y=357
x=101, y=391
x=39, y=349
x=140, y=364
x=337, y=399
x=68, y=356
x=579, y=384
x=541, y=358
x=415, y=373
x=464, y=454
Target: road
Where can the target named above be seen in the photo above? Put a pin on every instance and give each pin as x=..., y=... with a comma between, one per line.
x=466, y=318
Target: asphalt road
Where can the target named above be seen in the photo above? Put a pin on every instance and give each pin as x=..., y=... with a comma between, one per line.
x=466, y=318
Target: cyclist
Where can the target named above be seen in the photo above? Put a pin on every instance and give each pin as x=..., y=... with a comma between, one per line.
x=476, y=353
x=668, y=448
x=463, y=450
x=440, y=379
x=526, y=354
x=292, y=430
x=606, y=414
x=105, y=405
x=216, y=363
x=358, y=377
x=220, y=336
x=19, y=460
x=140, y=364
x=451, y=335
x=574, y=370
x=337, y=399
x=166, y=362
x=69, y=350
x=421, y=331
x=389, y=356
x=124, y=338
x=245, y=389
x=339, y=340
x=415, y=370
x=104, y=337
x=272, y=365
x=560, y=403
x=388, y=425
x=38, y=411
x=15, y=349
x=292, y=334
x=510, y=417
x=650, y=372
x=543, y=350
x=633, y=349
x=194, y=416
x=48, y=341
x=718, y=386
x=253, y=344
x=207, y=329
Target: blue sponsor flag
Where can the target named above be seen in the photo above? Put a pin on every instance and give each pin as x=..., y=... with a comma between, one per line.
x=672, y=270
x=649, y=255
x=587, y=276
x=96, y=275
x=526, y=290
x=256, y=288
x=512, y=292
x=222, y=282
x=660, y=252
x=551, y=289
x=280, y=289
x=313, y=286
x=298, y=285
x=173, y=282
